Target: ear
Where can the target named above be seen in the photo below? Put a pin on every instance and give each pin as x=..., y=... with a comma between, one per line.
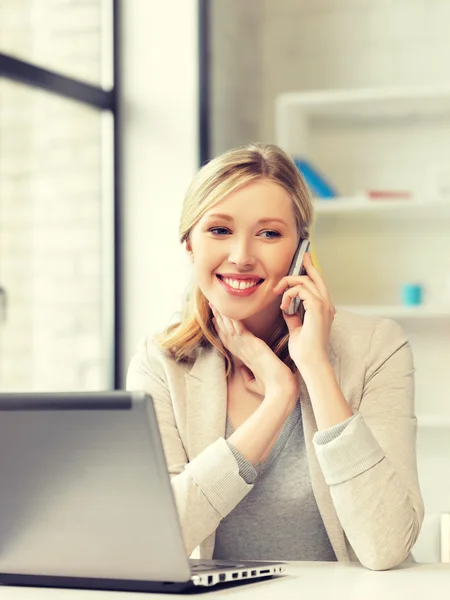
x=189, y=250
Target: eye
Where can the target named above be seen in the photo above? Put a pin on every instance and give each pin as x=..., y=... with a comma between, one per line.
x=271, y=235
x=219, y=230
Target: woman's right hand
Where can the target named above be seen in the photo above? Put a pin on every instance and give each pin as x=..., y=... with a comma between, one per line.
x=263, y=373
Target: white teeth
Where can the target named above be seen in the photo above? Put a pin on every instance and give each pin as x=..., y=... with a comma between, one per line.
x=239, y=285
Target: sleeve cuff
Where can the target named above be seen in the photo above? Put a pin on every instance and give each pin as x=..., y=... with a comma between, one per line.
x=328, y=435
x=348, y=453
x=246, y=470
x=216, y=473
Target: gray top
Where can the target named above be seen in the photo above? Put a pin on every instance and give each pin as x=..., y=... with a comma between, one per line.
x=279, y=518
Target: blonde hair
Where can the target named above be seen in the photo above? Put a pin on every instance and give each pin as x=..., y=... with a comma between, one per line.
x=212, y=184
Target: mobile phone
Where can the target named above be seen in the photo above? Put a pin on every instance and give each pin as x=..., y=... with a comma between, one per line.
x=297, y=268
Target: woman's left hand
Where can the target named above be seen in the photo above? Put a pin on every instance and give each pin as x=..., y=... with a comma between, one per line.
x=308, y=342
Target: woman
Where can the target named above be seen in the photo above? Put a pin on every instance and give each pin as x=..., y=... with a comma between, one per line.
x=283, y=440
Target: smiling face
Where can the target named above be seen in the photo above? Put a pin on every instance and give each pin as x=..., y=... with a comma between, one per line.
x=242, y=247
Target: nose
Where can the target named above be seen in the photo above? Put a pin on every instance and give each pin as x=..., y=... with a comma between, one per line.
x=241, y=253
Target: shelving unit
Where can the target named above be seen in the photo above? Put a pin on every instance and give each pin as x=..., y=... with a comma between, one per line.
x=433, y=421
x=360, y=206
x=400, y=312
x=411, y=101
x=294, y=110
x=388, y=139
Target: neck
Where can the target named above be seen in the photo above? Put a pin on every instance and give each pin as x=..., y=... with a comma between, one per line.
x=265, y=323
x=261, y=328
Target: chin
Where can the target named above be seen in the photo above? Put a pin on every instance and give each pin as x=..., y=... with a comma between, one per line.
x=235, y=313
x=238, y=313
x=241, y=313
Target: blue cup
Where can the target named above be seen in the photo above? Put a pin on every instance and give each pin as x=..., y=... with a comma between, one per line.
x=412, y=294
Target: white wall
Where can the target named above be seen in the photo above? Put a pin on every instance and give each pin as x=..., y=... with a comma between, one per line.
x=329, y=44
x=160, y=152
x=236, y=32
x=319, y=44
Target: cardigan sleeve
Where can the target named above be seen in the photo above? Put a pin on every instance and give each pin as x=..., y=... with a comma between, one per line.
x=371, y=466
x=207, y=487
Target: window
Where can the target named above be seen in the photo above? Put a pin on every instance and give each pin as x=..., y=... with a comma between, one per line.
x=58, y=177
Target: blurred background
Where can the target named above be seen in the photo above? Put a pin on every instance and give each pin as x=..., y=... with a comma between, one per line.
x=108, y=108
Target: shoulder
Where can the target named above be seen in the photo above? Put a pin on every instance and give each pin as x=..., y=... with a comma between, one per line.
x=150, y=359
x=350, y=330
x=366, y=339
x=372, y=354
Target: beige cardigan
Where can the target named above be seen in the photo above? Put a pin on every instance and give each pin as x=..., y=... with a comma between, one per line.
x=364, y=481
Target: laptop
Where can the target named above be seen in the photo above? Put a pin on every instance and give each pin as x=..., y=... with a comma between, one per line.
x=86, y=500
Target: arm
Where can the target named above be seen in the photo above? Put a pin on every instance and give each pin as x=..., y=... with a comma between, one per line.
x=264, y=375
x=329, y=404
x=370, y=464
x=369, y=461
x=255, y=435
x=209, y=486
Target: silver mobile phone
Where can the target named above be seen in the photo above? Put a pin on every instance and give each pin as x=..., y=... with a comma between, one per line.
x=297, y=268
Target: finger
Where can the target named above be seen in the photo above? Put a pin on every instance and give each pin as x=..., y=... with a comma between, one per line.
x=289, y=295
x=247, y=375
x=228, y=326
x=220, y=320
x=316, y=277
x=309, y=300
x=215, y=312
x=325, y=300
x=217, y=329
x=308, y=284
x=298, y=291
x=238, y=327
x=250, y=382
x=233, y=326
x=293, y=322
x=254, y=387
x=290, y=281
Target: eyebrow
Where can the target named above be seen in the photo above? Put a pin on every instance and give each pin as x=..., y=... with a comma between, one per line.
x=262, y=221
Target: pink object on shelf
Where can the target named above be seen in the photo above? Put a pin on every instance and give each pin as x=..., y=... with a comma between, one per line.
x=387, y=194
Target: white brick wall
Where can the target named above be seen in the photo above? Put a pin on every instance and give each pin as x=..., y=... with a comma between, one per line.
x=63, y=35
x=50, y=204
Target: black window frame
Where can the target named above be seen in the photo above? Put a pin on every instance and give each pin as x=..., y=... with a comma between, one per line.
x=34, y=76
x=204, y=60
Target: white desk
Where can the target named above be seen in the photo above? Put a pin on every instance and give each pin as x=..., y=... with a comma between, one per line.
x=304, y=581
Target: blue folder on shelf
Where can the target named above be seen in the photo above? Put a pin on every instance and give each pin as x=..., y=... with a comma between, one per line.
x=317, y=183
